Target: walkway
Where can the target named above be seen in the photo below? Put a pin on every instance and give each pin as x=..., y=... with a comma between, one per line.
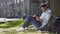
x=7, y=19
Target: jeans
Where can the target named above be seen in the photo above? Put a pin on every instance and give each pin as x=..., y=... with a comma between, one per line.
x=30, y=19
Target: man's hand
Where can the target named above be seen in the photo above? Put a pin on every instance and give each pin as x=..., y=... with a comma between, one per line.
x=34, y=15
x=38, y=19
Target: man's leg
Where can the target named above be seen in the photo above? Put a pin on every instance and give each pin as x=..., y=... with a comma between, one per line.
x=29, y=19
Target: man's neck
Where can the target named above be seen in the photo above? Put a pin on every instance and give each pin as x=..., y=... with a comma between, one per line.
x=46, y=9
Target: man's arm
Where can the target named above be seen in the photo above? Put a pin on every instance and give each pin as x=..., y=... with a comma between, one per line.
x=38, y=19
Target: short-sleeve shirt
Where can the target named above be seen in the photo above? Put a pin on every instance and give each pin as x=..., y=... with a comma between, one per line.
x=46, y=15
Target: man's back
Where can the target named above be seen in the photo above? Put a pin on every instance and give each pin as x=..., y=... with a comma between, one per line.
x=46, y=17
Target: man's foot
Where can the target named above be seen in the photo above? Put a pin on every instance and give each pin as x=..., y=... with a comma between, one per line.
x=20, y=29
x=43, y=31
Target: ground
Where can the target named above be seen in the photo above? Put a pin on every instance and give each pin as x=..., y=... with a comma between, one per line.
x=12, y=31
x=10, y=28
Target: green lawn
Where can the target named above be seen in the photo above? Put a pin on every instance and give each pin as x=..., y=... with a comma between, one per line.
x=10, y=28
x=12, y=24
x=12, y=31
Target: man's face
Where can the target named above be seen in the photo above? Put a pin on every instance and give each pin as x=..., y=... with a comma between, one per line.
x=43, y=8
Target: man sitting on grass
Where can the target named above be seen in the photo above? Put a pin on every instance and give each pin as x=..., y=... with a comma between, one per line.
x=36, y=20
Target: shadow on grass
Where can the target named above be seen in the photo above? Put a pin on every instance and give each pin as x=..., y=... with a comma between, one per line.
x=14, y=32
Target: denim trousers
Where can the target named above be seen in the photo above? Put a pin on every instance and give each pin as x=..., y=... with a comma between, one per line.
x=31, y=19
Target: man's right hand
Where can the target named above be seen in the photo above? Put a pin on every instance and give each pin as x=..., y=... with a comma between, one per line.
x=37, y=18
x=34, y=15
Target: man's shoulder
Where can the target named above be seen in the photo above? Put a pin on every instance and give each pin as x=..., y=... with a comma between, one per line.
x=50, y=11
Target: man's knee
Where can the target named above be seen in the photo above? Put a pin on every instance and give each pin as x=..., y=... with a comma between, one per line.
x=30, y=16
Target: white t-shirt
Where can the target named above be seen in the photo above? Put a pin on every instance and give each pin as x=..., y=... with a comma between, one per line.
x=46, y=16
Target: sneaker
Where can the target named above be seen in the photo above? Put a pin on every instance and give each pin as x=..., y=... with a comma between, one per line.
x=20, y=29
x=42, y=31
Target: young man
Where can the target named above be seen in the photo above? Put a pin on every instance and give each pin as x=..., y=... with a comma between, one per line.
x=36, y=20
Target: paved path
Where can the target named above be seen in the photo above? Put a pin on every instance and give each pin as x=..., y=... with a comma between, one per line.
x=7, y=19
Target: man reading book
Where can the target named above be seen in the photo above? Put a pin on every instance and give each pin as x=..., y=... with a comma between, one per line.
x=36, y=20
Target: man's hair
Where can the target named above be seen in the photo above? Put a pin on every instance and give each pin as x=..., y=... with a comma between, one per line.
x=44, y=5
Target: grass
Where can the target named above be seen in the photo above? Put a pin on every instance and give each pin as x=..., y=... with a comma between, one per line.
x=12, y=31
x=10, y=27
x=12, y=24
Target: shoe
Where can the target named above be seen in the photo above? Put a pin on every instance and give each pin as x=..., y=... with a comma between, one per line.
x=42, y=31
x=20, y=29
